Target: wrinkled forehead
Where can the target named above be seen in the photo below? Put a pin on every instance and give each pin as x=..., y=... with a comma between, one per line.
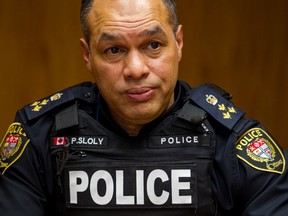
x=128, y=11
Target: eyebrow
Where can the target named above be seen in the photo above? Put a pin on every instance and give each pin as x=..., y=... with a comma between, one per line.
x=156, y=30
x=153, y=31
x=109, y=37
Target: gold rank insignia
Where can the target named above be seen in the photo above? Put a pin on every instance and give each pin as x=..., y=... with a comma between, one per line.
x=260, y=151
x=217, y=104
x=37, y=106
x=56, y=96
x=211, y=99
x=227, y=111
x=12, y=146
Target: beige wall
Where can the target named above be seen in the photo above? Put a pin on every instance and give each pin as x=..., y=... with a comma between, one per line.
x=241, y=45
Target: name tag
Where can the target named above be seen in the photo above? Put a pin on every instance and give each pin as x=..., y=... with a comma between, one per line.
x=131, y=186
x=81, y=141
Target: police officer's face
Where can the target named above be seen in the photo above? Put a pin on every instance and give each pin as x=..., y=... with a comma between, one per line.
x=133, y=55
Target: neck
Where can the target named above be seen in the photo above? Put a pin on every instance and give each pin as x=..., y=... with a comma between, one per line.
x=134, y=126
x=132, y=130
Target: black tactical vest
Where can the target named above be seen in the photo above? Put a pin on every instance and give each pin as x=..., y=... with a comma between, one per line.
x=163, y=172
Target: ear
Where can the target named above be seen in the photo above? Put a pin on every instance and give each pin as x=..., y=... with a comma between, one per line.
x=85, y=53
x=179, y=41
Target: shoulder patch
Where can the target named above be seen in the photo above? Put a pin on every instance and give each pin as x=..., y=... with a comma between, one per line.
x=12, y=146
x=256, y=148
x=217, y=106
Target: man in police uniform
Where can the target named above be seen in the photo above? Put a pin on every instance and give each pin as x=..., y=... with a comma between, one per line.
x=138, y=142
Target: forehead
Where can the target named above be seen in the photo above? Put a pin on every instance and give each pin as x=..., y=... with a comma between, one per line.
x=128, y=13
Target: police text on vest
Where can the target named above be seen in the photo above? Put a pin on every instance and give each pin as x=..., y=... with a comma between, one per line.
x=131, y=187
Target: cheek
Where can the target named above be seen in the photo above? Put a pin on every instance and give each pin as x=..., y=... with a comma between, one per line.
x=105, y=74
x=108, y=81
x=165, y=67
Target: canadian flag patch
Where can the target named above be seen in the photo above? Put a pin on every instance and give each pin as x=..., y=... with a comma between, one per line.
x=59, y=141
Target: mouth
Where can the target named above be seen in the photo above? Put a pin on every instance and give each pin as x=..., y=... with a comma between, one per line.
x=141, y=94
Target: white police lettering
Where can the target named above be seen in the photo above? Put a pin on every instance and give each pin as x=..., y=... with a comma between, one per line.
x=105, y=199
x=73, y=176
x=172, y=140
x=87, y=140
x=155, y=174
x=145, y=183
x=176, y=198
x=121, y=199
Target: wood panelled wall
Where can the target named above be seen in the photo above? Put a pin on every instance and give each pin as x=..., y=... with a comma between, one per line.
x=241, y=45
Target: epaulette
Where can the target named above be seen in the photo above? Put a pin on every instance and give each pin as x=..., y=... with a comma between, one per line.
x=216, y=102
x=84, y=91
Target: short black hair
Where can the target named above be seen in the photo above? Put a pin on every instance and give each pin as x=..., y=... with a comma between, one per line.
x=86, y=6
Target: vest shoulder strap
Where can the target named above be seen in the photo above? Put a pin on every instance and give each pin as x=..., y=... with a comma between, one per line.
x=86, y=92
x=216, y=102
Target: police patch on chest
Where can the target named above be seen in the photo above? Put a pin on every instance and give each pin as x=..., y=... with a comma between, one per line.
x=173, y=141
x=131, y=186
x=260, y=151
x=12, y=146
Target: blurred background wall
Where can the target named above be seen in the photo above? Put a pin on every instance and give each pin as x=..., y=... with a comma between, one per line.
x=241, y=45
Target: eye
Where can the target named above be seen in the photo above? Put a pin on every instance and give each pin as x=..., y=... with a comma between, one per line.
x=113, y=50
x=154, y=45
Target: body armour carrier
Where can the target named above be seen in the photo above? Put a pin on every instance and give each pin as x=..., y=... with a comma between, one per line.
x=163, y=172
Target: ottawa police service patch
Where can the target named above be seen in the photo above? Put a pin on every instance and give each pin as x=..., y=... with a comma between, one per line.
x=260, y=151
x=12, y=146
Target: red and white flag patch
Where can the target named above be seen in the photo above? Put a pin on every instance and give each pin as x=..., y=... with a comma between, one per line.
x=59, y=141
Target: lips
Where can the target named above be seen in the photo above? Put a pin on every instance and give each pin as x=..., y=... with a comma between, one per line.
x=140, y=94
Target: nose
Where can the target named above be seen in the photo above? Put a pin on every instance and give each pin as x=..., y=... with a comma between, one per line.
x=135, y=65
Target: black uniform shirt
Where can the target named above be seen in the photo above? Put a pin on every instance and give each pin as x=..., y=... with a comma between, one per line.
x=248, y=176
